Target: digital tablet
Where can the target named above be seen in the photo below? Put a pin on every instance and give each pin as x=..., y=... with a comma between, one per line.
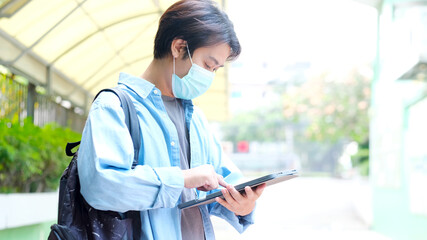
x=269, y=179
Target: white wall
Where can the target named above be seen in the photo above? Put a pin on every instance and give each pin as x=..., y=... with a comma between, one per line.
x=20, y=209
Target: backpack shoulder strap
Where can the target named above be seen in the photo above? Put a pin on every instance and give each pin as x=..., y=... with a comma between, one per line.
x=131, y=120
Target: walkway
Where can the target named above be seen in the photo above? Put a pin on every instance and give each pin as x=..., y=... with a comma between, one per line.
x=306, y=208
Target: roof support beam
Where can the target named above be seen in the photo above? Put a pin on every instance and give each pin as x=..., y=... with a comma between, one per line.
x=99, y=30
x=88, y=79
x=36, y=57
x=36, y=60
x=90, y=88
x=35, y=82
x=46, y=33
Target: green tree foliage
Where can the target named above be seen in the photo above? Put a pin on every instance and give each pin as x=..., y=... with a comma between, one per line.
x=336, y=107
x=361, y=159
x=13, y=92
x=330, y=108
x=325, y=111
x=32, y=158
x=265, y=125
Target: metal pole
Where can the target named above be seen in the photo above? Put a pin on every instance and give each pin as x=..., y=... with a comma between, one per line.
x=31, y=99
x=49, y=80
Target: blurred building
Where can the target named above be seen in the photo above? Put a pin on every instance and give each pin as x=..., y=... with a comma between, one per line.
x=398, y=129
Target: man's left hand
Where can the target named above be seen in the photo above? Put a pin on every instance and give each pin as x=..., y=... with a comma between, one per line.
x=240, y=204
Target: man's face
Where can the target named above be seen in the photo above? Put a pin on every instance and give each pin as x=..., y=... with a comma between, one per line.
x=210, y=58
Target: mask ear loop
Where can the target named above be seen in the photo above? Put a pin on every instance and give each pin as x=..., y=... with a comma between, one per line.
x=173, y=65
x=189, y=55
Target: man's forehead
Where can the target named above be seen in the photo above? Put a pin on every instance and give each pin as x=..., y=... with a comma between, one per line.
x=215, y=61
x=218, y=53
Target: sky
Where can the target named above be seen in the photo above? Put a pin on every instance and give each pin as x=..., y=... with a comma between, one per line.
x=278, y=36
x=279, y=33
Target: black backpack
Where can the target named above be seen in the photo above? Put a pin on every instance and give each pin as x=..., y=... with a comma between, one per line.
x=76, y=218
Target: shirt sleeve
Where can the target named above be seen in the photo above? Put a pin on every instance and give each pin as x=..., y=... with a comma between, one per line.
x=232, y=175
x=240, y=223
x=105, y=158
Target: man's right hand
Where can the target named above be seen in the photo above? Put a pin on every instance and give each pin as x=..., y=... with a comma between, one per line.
x=203, y=178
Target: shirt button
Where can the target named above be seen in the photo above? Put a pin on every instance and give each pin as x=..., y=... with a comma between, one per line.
x=172, y=143
x=155, y=91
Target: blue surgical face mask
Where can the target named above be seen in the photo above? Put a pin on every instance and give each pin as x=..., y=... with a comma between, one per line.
x=195, y=83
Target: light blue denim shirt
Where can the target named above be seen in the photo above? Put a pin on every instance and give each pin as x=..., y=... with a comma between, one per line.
x=154, y=186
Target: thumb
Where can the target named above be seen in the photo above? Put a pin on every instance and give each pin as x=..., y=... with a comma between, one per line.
x=259, y=189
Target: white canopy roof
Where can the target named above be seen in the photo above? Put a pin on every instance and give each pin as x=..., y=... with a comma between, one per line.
x=74, y=48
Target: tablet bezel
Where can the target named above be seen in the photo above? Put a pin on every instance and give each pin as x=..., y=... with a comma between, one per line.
x=269, y=179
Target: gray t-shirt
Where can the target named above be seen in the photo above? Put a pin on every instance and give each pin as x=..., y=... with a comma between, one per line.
x=191, y=218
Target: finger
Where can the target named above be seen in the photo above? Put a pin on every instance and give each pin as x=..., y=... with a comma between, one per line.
x=223, y=203
x=210, y=187
x=228, y=197
x=221, y=181
x=249, y=192
x=202, y=188
x=260, y=189
x=235, y=194
x=213, y=184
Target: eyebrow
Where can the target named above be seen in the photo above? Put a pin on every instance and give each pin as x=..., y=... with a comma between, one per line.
x=216, y=61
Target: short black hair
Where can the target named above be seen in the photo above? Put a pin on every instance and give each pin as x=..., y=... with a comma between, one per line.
x=199, y=22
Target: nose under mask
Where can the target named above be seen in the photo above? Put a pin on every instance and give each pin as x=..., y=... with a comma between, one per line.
x=195, y=83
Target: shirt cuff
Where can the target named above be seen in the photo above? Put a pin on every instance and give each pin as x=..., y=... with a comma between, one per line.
x=240, y=223
x=171, y=185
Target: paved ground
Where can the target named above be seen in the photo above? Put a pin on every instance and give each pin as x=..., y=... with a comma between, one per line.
x=305, y=208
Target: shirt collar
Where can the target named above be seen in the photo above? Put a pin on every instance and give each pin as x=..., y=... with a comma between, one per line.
x=141, y=86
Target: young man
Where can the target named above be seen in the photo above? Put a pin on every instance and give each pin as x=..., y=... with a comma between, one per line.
x=178, y=154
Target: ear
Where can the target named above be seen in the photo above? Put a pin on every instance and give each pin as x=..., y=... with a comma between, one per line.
x=178, y=47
